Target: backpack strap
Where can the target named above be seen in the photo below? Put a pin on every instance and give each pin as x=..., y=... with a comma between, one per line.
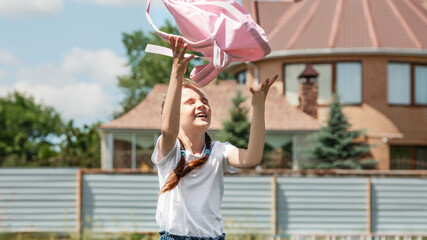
x=204, y=74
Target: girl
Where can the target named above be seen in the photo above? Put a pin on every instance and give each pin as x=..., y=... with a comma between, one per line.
x=190, y=166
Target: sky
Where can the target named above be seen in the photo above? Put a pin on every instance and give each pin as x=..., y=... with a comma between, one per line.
x=67, y=53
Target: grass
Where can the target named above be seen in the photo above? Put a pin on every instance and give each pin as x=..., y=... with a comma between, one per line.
x=144, y=236
x=111, y=236
x=73, y=236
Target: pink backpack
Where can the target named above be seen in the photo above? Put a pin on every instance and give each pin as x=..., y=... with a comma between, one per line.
x=222, y=30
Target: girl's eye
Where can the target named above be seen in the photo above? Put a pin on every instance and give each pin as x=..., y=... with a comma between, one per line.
x=191, y=101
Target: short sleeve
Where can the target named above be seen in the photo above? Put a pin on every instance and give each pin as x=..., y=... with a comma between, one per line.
x=227, y=147
x=172, y=155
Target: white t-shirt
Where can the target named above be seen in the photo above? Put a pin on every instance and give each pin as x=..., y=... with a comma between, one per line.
x=193, y=207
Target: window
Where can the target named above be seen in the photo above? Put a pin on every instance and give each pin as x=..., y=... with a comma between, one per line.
x=349, y=82
x=292, y=71
x=131, y=150
x=420, y=84
x=408, y=157
x=241, y=77
x=144, y=146
x=399, y=83
x=122, y=150
x=407, y=84
x=348, y=79
x=324, y=82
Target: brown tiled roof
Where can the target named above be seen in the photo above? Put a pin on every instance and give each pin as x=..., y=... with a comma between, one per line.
x=280, y=116
x=314, y=24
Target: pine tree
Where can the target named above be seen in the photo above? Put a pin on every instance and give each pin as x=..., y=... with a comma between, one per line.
x=334, y=146
x=236, y=129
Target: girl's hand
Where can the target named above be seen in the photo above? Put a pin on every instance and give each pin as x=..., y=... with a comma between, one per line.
x=179, y=61
x=259, y=95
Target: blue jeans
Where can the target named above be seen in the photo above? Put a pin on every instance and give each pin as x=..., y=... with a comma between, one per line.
x=169, y=236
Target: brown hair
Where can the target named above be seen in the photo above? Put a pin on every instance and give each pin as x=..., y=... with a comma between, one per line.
x=186, y=83
x=183, y=168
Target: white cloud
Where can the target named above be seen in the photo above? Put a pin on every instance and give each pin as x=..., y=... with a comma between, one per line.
x=4, y=90
x=3, y=74
x=79, y=87
x=47, y=73
x=102, y=65
x=8, y=58
x=75, y=101
x=123, y=3
x=24, y=9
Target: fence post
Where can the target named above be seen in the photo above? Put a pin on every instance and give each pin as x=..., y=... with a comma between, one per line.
x=369, y=205
x=79, y=202
x=274, y=204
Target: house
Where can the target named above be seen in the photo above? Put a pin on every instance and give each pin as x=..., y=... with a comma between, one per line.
x=127, y=141
x=373, y=53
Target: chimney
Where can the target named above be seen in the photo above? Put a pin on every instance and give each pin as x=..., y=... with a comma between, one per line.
x=308, y=90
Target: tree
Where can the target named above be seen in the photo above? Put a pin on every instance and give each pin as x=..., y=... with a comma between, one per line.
x=236, y=130
x=80, y=148
x=335, y=147
x=28, y=131
x=34, y=135
x=147, y=70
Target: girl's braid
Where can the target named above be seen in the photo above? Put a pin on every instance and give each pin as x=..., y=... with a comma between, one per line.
x=183, y=168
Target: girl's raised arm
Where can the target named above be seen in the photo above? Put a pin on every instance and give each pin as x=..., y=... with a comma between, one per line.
x=242, y=158
x=172, y=106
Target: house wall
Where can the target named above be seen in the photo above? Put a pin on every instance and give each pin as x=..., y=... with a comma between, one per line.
x=104, y=150
x=385, y=124
x=127, y=149
x=119, y=149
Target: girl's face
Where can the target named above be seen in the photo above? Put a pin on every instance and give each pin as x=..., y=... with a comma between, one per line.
x=195, y=109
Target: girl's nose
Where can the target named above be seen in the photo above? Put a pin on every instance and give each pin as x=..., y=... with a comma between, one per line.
x=200, y=105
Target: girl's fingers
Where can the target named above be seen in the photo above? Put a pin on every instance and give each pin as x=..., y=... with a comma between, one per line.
x=175, y=48
x=191, y=57
x=271, y=82
x=274, y=79
x=267, y=84
x=264, y=85
x=177, y=44
x=182, y=53
x=261, y=87
x=252, y=90
x=172, y=44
